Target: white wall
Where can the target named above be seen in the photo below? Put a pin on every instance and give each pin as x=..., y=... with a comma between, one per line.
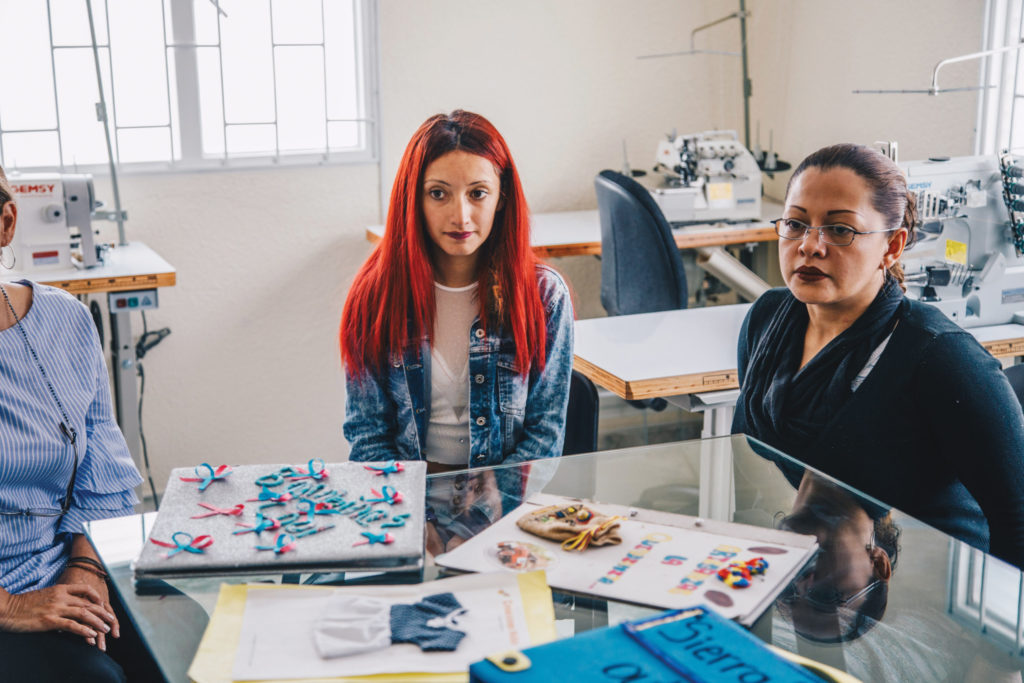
x=560, y=80
x=251, y=371
x=807, y=56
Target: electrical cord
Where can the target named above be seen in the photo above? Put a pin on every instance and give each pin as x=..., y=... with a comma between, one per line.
x=142, y=437
x=146, y=342
x=97, y=318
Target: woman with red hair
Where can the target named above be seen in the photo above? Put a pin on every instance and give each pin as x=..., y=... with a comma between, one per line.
x=457, y=342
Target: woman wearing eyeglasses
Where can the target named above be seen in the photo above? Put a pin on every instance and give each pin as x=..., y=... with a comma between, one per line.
x=843, y=372
x=63, y=461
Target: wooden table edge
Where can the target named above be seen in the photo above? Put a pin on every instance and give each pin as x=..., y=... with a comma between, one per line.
x=117, y=283
x=656, y=387
x=1005, y=348
x=712, y=237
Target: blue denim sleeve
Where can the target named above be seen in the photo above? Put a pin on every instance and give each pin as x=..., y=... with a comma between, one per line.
x=371, y=419
x=548, y=395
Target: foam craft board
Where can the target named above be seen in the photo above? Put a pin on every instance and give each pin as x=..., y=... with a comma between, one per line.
x=331, y=550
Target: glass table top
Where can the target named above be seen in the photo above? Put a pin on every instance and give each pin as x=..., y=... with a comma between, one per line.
x=885, y=598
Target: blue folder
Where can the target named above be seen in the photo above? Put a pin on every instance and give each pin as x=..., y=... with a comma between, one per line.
x=680, y=645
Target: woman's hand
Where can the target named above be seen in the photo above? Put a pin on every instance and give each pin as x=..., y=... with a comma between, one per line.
x=435, y=546
x=78, y=576
x=76, y=608
x=483, y=493
x=454, y=542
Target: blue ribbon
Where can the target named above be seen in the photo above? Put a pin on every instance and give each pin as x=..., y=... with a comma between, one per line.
x=312, y=472
x=206, y=479
x=262, y=524
x=281, y=545
x=390, y=467
x=388, y=495
x=396, y=521
x=311, y=510
x=186, y=546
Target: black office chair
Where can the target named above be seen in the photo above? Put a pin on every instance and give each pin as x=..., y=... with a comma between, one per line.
x=1015, y=373
x=641, y=270
x=581, y=416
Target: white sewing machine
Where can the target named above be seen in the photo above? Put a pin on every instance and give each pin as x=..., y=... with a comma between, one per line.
x=964, y=261
x=55, y=212
x=708, y=177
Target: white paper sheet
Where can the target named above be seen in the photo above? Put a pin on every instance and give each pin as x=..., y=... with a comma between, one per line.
x=664, y=561
x=277, y=630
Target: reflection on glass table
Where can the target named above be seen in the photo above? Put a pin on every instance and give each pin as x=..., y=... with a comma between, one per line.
x=886, y=597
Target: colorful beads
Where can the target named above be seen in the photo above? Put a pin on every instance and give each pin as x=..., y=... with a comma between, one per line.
x=758, y=565
x=735, y=576
x=740, y=574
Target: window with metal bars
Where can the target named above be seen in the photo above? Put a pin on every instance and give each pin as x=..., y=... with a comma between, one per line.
x=189, y=84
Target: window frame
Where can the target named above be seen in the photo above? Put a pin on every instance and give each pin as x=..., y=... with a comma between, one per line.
x=999, y=74
x=971, y=575
x=186, y=117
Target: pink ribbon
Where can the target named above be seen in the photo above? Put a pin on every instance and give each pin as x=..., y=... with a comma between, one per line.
x=235, y=511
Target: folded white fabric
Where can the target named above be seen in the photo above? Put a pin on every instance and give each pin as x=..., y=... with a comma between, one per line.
x=351, y=624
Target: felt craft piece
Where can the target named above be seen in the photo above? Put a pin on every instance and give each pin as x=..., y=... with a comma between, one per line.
x=352, y=624
x=575, y=525
x=432, y=623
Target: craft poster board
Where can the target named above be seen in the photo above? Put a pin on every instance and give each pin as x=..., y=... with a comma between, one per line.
x=222, y=642
x=665, y=560
x=350, y=487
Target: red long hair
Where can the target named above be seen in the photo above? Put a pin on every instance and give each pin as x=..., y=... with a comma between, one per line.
x=391, y=302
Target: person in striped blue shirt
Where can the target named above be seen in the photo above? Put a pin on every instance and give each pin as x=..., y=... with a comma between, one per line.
x=63, y=461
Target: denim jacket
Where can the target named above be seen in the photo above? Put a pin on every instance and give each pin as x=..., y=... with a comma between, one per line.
x=512, y=418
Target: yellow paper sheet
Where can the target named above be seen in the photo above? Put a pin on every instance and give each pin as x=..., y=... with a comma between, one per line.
x=215, y=657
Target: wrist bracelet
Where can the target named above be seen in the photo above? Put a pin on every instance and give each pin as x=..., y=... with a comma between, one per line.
x=87, y=560
x=86, y=568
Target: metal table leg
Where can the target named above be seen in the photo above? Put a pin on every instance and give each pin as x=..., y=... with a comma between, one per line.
x=126, y=390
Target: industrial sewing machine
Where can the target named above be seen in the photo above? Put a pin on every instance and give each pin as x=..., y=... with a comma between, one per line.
x=708, y=177
x=55, y=212
x=967, y=257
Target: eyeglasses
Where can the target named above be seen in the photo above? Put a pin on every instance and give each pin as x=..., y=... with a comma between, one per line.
x=65, y=504
x=836, y=235
x=824, y=596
